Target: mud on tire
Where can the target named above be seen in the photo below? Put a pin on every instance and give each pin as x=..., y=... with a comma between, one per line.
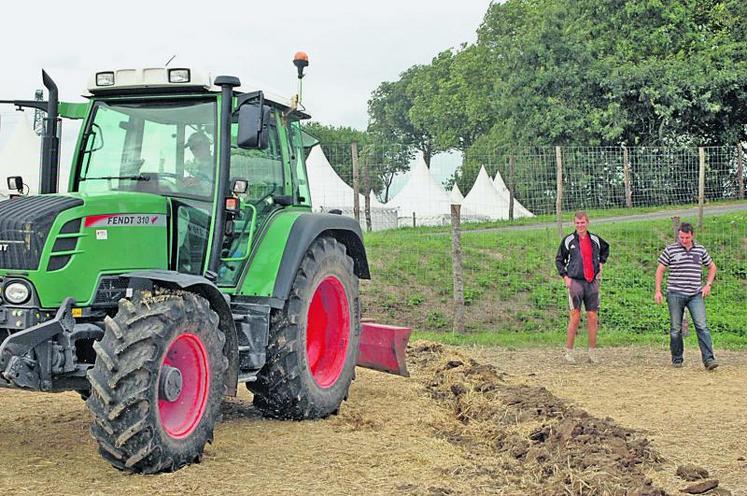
x=313, y=344
x=147, y=417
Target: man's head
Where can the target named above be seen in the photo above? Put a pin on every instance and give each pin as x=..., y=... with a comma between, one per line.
x=685, y=234
x=199, y=144
x=581, y=220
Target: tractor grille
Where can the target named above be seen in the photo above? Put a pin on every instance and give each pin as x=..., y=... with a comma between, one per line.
x=24, y=226
x=111, y=289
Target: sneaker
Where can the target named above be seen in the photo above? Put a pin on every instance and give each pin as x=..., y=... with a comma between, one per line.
x=569, y=356
x=593, y=358
x=711, y=365
x=677, y=365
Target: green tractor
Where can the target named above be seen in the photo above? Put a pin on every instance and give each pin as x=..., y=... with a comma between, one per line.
x=184, y=260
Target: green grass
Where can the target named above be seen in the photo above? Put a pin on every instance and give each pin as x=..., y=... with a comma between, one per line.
x=513, y=292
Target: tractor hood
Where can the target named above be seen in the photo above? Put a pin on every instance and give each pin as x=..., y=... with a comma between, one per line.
x=63, y=244
x=24, y=227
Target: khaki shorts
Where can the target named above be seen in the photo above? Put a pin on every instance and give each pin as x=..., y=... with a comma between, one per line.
x=586, y=292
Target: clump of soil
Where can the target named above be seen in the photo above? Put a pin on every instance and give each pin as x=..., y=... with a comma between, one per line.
x=691, y=472
x=545, y=445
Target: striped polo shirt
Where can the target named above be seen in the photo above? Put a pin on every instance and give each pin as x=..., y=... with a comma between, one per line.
x=685, y=267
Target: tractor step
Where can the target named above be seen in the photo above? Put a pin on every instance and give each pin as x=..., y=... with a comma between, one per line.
x=383, y=348
x=248, y=376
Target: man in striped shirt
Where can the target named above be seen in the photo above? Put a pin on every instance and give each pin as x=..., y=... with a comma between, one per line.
x=685, y=260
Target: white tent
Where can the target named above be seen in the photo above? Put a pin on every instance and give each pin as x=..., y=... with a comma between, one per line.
x=21, y=157
x=519, y=210
x=456, y=196
x=483, y=202
x=422, y=196
x=329, y=192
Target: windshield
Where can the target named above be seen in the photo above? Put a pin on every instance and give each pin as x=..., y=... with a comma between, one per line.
x=166, y=148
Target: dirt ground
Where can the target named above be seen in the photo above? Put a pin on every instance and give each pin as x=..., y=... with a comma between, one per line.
x=468, y=421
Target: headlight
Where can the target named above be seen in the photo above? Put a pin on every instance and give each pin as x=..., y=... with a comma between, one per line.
x=17, y=293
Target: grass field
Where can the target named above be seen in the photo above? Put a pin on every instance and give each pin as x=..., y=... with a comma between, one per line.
x=514, y=296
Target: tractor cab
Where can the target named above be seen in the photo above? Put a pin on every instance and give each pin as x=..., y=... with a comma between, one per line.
x=158, y=131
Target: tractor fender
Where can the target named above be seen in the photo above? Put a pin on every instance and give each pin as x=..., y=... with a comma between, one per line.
x=305, y=230
x=205, y=288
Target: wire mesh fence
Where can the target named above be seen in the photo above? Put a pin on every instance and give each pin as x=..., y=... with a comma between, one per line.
x=510, y=279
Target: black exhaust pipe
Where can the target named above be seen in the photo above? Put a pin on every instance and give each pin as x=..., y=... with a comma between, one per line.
x=50, y=163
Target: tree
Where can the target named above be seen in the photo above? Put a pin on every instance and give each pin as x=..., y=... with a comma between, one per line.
x=384, y=160
x=389, y=114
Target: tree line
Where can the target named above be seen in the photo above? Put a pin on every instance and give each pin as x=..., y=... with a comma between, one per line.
x=656, y=73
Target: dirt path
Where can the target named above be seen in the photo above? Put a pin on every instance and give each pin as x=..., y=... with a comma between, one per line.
x=437, y=433
x=691, y=416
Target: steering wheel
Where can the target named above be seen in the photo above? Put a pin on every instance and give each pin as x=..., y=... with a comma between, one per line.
x=157, y=177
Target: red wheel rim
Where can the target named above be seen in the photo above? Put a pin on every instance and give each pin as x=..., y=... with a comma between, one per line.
x=327, y=331
x=181, y=416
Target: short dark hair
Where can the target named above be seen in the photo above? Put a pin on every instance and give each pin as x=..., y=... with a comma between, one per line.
x=686, y=227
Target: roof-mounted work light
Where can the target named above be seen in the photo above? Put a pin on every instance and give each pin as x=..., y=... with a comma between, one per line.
x=104, y=79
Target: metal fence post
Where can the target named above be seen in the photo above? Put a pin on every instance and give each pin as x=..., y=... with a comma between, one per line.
x=626, y=179
x=511, y=166
x=356, y=185
x=701, y=186
x=559, y=195
x=740, y=171
x=456, y=264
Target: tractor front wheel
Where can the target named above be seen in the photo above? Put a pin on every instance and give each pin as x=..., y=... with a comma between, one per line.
x=157, y=385
x=313, y=344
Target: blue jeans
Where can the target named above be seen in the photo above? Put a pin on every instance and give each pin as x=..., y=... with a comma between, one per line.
x=677, y=303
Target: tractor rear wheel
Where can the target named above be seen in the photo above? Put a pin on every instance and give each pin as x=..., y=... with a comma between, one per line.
x=158, y=382
x=313, y=344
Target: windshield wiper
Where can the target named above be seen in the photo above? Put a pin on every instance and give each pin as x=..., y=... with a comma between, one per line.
x=138, y=177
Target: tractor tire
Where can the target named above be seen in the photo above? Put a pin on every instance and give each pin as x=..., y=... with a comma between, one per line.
x=158, y=382
x=313, y=345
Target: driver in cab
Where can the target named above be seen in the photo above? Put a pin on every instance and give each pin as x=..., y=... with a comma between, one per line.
x=200, y=170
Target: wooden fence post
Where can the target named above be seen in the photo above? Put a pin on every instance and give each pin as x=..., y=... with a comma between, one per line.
x=511, y=166
x=356, y=185
x=413, y=220
x=367, y=189
x=701, y=186
x=626, y=179
x=456, y=264
x=559, y=195
x=740, y=171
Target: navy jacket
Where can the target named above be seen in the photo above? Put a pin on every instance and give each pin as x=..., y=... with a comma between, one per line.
x=568, y=260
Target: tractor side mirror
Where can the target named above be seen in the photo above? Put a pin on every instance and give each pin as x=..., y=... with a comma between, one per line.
x=253, y=122
x=15, y=183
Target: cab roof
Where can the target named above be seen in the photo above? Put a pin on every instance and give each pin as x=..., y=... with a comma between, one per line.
x=152, y=80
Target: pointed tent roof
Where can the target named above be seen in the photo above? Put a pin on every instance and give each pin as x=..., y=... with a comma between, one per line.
x=519, y=210
x=21, y=156
x=484, y=200
x=423, y=195
x=456, y=196
x=328, y=190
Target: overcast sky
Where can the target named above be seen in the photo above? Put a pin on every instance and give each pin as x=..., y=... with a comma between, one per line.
x=352, y=46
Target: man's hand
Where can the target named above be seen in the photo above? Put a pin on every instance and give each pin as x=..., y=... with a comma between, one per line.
x=567, y=282
x=706, y=289
x=658, y=298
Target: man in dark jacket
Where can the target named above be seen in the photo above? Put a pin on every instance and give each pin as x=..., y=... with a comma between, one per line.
x=580, y=258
